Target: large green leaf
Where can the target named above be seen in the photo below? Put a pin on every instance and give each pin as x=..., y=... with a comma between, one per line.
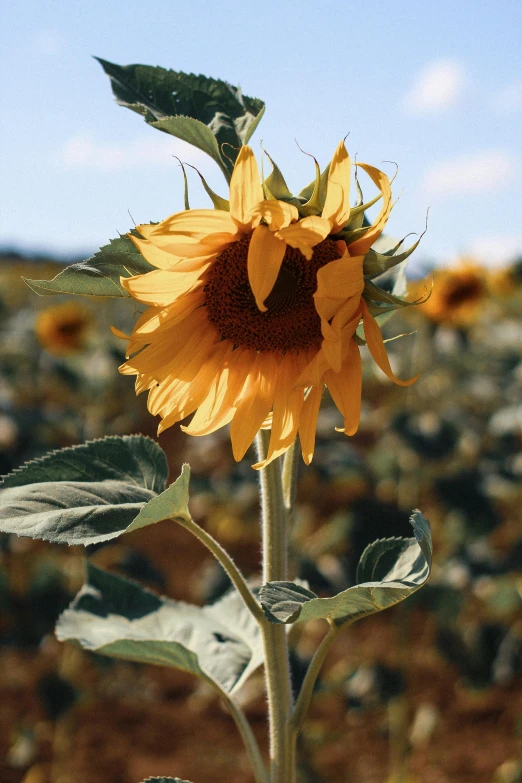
x=99, y=275
x=91, y=493
x=389, y=571
x=205, y=112
x=113, y=616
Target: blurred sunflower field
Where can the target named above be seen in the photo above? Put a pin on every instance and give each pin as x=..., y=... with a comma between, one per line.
x=428, y=691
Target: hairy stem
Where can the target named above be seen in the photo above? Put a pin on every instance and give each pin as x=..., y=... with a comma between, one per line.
x=307, y=688
x=277, y=669
x=236, y=577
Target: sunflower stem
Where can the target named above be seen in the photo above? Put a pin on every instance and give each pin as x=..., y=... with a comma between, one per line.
x=277, y=665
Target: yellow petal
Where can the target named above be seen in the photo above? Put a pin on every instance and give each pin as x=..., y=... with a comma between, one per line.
x=313, y=372
x=155, y=356
x=362, y=245
x=181, y=370
x=308, y=422
x=345, y=388
x=191, y=224
x=161, y=287
x=194, y=394
x=288, y=402
x=218, y=408
x=278, y=214
x=254, y=404
x=265, y=256
x=337, y=333
x=192, y=233
x=305, y=234
x=375, y=343
x=157, y=319
x=336, y=282
x=154, y=255
x=337, y=204
x=245, y=188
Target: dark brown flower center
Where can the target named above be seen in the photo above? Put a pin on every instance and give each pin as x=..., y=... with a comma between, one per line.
x=290, y=323
x=464, y=292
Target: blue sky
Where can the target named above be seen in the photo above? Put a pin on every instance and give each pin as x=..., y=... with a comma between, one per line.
x=437, y=88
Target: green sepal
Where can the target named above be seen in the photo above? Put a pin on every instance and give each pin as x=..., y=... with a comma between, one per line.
x=376, y=263
x=389, y=571
x=357, y=215
x=217, y=201
x=92, y=493
x=117, y=617
x=314, y=195
x=205, y=112
x=274, y=185
x=99, y=275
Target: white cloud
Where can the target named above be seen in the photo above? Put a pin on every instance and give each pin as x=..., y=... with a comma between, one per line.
x=84, y=151
x=496, y=249
x=437, y=87
x=508, y=99
x=471, y=174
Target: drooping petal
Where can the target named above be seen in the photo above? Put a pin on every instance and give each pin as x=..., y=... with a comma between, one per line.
x=362, y=245
x=288, y=402
x=218, y=408
x=345, y=388
x=336, y=282
x=254, y=404
x=278, y=214
x=308, y=422
x=337, y=203
x=375, y=343
x=314, y=370
x=265, y=256
x=305, y=234
x=162, y=286
x=245, y=188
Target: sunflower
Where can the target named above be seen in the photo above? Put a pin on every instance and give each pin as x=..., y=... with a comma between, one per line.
x=253, y=308
x=63, y=329
x=458, y=295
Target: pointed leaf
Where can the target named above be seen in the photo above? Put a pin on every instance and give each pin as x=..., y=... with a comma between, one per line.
x=179, y=103
x=99, y=275
x=90, y=493
x=114, y=616
x=389, y=571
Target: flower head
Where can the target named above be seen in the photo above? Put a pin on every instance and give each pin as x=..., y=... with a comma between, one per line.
x=253, y=307
x=63, y=329
x=458, y=295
